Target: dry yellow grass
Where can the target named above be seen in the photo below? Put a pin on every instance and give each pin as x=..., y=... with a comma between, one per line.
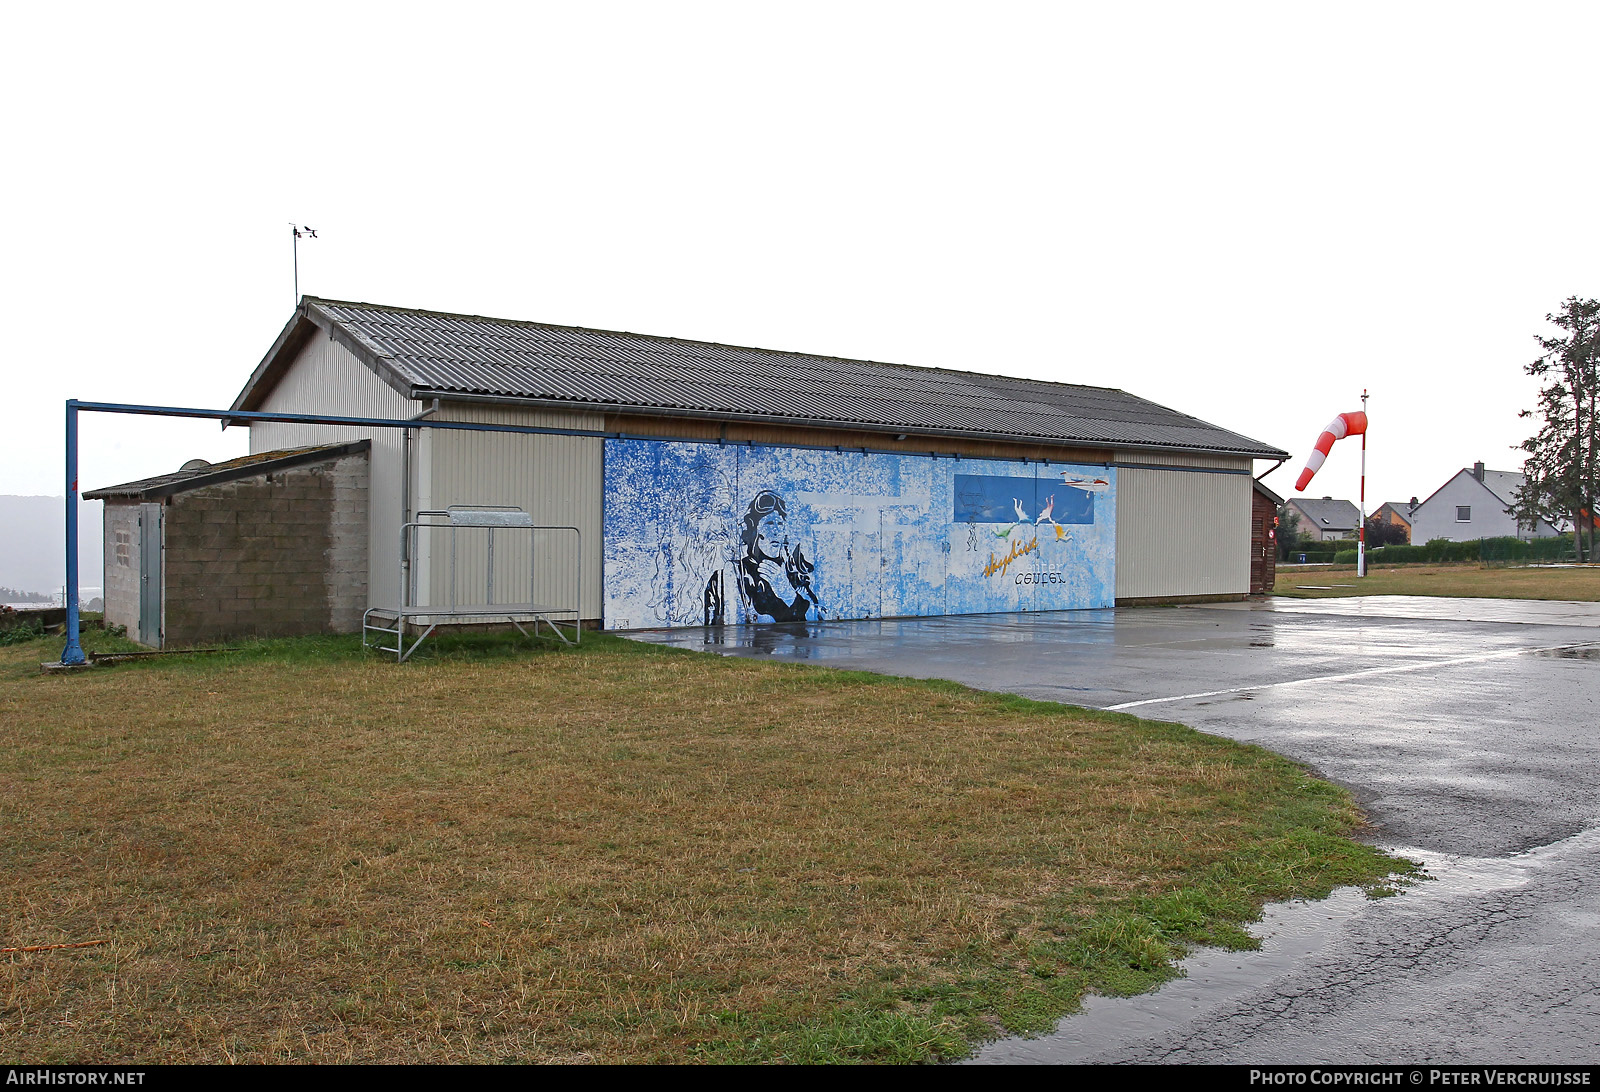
x=621, y=854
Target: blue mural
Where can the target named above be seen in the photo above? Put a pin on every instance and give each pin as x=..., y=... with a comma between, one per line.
x=701, y=534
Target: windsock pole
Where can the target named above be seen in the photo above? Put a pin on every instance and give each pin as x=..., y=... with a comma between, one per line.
x=1346, y=424
x=1361, y=544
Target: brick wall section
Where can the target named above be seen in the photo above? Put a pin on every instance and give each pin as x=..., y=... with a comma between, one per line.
x=1263, y=544
x=271, y=556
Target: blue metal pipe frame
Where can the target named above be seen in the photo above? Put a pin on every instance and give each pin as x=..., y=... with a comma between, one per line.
x=72, y=654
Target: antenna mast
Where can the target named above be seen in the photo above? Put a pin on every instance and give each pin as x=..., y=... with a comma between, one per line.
x=310, y=233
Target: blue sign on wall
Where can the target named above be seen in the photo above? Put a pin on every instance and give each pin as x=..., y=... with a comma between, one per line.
x=700, y=534
x=988, y=498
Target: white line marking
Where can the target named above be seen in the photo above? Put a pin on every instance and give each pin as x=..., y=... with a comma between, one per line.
x=1506, y=654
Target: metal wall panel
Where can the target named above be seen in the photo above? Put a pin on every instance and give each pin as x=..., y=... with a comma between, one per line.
x=1182, y=533
x=485, y=413
x=1181, y=458
x=556, y=479
x=327, y=378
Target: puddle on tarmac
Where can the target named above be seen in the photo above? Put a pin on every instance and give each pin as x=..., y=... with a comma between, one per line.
x=1289, y=932
x=1590, y=652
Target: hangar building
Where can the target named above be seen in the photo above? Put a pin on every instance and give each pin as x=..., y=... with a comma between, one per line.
x=716, y=483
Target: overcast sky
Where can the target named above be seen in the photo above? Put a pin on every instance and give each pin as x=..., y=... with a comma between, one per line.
x=1248, y=212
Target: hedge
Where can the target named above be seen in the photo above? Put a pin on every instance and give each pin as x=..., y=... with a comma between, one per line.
x=1316, y=552
x=1481, y=549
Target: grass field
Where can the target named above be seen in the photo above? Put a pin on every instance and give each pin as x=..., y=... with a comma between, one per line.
x=618, y=854
x=1468, y=579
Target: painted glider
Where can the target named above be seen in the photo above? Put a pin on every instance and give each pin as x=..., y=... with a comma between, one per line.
x=1346, y=424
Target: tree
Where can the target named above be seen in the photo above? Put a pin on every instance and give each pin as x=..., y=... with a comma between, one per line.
x=1380, y=532
x=1288, y=531
x=1563, y=462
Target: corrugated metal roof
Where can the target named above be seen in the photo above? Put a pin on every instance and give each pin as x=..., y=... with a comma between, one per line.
x=472, y=356
x=1269, y=494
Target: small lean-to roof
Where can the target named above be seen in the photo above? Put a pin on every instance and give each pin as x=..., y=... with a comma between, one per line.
x=427, y=354
x=1329, y=514
x=248, y=466
x=1269, y=494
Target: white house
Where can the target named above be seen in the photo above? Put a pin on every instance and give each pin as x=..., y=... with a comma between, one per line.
x=1474, y=504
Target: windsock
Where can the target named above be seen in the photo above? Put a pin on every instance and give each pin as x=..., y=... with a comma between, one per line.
x=1346, y=424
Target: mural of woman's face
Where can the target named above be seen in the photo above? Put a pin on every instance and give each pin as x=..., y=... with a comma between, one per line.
x=771, y=533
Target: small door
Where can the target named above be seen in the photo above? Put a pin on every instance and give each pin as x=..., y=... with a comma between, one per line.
x=150, y=598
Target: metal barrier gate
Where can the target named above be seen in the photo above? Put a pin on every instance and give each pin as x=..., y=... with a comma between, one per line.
x=518, y=534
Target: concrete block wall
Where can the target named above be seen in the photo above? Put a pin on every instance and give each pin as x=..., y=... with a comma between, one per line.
x=269, y=556
x=121, y=578
x=345, y=564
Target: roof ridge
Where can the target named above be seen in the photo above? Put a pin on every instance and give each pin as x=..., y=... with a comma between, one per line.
x=726, y=345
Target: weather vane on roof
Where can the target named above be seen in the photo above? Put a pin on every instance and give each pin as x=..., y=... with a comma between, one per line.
x=309, y=233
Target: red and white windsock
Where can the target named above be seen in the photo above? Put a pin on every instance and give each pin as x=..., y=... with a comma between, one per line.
x=1346, y=424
